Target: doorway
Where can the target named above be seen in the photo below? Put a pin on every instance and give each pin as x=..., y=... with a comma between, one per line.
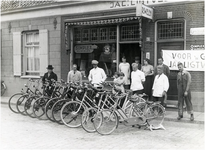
x=130, y=51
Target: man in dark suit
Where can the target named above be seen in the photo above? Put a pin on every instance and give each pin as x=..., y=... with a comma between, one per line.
x=49, y=76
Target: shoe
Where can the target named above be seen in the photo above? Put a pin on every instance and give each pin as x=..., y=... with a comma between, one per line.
x=179, y=117
x=192, y=117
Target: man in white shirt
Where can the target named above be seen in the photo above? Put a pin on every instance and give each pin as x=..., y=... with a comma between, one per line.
x=160, y=86
x=74, y=75
x=137, y=78
x=96, y=75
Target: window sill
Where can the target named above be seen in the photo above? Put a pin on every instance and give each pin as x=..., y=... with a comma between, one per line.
x=31, y=77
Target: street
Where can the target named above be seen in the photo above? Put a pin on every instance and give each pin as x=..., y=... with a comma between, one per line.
x=23, y=132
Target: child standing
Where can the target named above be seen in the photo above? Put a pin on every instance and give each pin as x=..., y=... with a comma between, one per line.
x=119, y=81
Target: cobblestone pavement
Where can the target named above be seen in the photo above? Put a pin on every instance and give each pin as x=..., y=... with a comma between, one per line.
x=22, y=132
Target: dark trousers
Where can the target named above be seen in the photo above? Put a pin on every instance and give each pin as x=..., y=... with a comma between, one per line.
x=187, y=99
x=161, y=99
x=138, y=92
x=127, y=87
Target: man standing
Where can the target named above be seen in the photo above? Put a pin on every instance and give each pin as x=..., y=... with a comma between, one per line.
x=74, y=75
x=166, y=71
x=184, y=93
x=137, y=78
x=160, y=86
x=49, y=75
x=96, y=75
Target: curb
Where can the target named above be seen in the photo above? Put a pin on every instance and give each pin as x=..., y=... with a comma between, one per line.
x=184, y=121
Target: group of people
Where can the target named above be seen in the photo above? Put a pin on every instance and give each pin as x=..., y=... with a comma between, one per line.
x=142, y=79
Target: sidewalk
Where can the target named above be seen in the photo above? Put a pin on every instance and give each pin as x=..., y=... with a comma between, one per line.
x=171, y=114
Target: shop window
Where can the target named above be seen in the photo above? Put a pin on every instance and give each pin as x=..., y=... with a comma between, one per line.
x=94, y=34
x=129, y=32
x=30, y=53
x=103, y=34
x=112, y=33
x=31, y=46
x=85, y=35
x=170, y=29
x=104, y=53
x=77, y=36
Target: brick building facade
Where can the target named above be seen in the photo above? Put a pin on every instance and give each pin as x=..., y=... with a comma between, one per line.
x=59, y=25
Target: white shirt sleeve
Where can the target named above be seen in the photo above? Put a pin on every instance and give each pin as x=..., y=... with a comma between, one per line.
x=103, y=75
x=142, y=77
x=166, y=83
x=90, y=76
x=68, y=77
x=154, y=82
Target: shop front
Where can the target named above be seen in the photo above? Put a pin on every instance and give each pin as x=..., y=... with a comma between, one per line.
x=105, y=40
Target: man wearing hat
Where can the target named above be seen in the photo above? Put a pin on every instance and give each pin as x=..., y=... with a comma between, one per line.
x=184, y=92
x=49, y=75
x=96, y=75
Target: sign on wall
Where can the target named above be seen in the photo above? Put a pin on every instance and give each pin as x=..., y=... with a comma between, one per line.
x=85, y=48
x=197, y=47
x=197, y=31
x=192, y=60
x=145, y=11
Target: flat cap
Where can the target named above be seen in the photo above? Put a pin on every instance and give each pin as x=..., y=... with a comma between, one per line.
x=94, y=62
x=179, y=63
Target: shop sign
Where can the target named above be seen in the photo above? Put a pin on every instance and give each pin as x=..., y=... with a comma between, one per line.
x=197, y=47
x=197, y=31
x=192, y=60
x=145, y=11
x=85, y=48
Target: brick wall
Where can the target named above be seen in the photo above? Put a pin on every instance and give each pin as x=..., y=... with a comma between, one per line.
x=14, y=84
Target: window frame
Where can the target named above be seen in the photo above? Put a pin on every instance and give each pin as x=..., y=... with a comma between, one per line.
x=25, y=54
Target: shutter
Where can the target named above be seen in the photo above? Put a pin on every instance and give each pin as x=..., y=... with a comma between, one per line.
x=17, y=53
x=43, y=49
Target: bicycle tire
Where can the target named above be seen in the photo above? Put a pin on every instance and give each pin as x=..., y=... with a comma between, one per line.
x=28, y=107
x=71, y=114
x=3, y=89
x=39, y=108
x=88, y=119
x=20, y=104
x=107, y=123
x=48, y=108
x=155, y=115
x=56, y=110
x=13, y=100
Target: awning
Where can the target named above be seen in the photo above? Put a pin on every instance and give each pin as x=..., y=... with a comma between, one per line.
x=102, y=22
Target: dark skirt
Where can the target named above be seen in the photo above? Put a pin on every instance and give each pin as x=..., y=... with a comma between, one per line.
x=148, y=85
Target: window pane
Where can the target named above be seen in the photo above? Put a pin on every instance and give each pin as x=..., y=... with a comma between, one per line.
x=104, y=53
x=130, y=32
x=29, y=39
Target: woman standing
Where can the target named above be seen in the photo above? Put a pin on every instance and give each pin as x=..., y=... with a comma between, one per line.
x=148, y=70
x=125, y=68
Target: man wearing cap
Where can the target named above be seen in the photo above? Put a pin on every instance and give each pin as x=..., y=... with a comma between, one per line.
x=96, y=75
x=137, y=78
x=74, y=75
x=160, y=86
x=184, y=92
x=50, y=74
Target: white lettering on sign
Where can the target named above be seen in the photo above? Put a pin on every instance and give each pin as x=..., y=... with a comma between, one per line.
x=192, y=60
x=197, y=31
x=197, y=47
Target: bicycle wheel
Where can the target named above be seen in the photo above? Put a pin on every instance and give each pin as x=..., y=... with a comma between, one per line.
x=13, y=100
x=20, y=104
x=48, y=108
x=106, y=121
x=71, y=114
x=88, y=119
x=155, y=115
x=39, y=108
x=56, y=110
x=28, y=107
x=3, y=89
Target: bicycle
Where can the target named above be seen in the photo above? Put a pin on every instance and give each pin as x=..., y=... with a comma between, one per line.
x=139, y=112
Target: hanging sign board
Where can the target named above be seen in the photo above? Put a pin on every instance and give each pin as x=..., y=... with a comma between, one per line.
x=192, y=60
x=85, y=48
x=145, y=11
